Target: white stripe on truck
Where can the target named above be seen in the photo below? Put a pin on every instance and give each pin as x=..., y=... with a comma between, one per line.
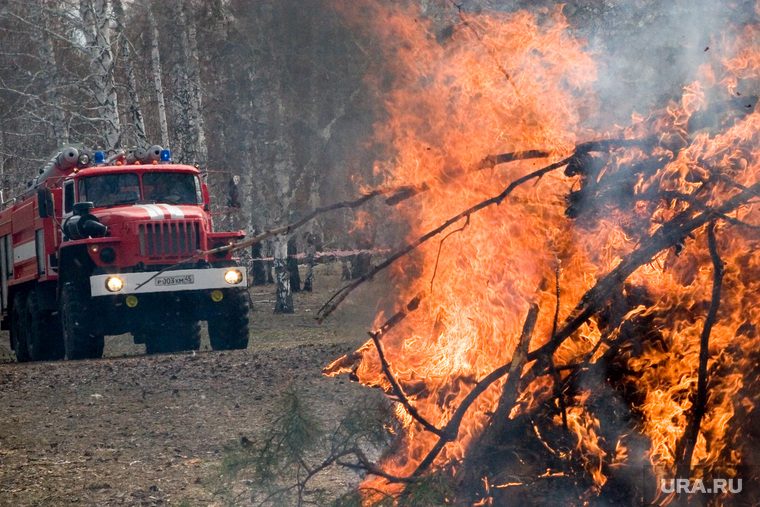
x=174, y=211
x=154, y=211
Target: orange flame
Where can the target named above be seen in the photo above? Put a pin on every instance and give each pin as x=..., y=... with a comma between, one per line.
x=505, y=82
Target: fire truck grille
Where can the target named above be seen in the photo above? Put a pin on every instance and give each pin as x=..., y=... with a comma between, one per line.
x=169, y=238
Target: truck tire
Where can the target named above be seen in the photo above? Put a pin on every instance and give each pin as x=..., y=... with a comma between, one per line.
x=80, y=336
x=173, y=337
x=43, y=331
x=18, y=328
x=228, y=325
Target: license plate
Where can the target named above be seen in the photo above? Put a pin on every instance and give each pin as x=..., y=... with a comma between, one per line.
x=175, y=280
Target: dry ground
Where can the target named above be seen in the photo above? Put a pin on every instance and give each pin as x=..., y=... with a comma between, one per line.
x=131, y=429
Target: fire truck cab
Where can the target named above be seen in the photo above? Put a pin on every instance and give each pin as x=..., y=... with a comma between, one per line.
x=104, y=247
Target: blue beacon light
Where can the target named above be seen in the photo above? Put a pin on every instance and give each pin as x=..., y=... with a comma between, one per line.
x=166, y=156
x=99, y=157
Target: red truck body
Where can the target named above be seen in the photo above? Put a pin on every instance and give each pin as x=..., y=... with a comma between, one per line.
x=109, y=248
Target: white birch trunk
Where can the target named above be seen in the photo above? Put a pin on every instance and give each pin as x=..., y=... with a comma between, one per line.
x=135, y=111
x=193, y=80
x=180, y=102
x=284, y=299
x=50, y=68
x=155, y=60
x=97, y=31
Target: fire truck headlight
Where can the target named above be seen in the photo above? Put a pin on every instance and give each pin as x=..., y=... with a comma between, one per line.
x=114, y=284
x=233, y=276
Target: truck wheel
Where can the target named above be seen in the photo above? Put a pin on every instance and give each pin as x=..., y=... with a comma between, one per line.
x=80, y=338
x=18, y=328
x=173, y=337
x=228, y=326
x=43, y=331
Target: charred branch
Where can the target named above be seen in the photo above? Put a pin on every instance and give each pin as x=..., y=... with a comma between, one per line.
x=405, y=192
x=685, y=448
x=340, y=296
x=513, y=368
x=397, y=194
x=397, y=317
x=667, y=236
x=351, y=361
x=440, y=248
x=604, y=145
x=397, y=391
x=555, y=373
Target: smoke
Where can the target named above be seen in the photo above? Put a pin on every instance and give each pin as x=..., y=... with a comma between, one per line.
x=647, y=51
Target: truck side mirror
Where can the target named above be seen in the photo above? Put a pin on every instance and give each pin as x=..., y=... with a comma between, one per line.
x=45, y=202
x=206, y=197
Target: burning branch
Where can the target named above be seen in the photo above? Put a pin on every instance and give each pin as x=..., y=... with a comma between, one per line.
x=513, y=368
x=555, y=373
x=397, y=391
x=685, y=447
x=604, y=145
x=440, y=248
x=668, y=235
x=405, y=192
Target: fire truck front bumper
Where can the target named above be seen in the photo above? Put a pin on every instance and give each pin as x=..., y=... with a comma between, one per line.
x=116, y=284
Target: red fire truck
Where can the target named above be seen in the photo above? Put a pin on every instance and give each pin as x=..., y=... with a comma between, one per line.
x=102, y=246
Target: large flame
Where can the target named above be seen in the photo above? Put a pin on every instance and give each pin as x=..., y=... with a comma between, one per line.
x=499, y=82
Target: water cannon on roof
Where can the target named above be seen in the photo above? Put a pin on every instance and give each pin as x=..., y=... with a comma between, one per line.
x=154, y=154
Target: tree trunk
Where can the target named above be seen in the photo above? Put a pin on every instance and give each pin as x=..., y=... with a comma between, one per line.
x=295, y=277
x=346, y=270
x=186, y=103
x=96, y=23
x=284, y=303
x=135, y=112
x=190, y=44
x=310, y=257
x=361, y=265
x=258, y=266
x=50, y=68
x=155, y=60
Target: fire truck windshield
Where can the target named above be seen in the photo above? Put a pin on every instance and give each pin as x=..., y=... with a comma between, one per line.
x=110, y=189
x=172, y=188
x=124, y=188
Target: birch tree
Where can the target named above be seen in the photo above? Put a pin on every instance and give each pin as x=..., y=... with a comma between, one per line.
x=96, y=27
x=195, y=93
x=187, y=99
x=155, y=61
x=135, y=111
x=49, y=63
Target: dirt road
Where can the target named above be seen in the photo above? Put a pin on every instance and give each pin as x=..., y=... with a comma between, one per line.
x=131, y=429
